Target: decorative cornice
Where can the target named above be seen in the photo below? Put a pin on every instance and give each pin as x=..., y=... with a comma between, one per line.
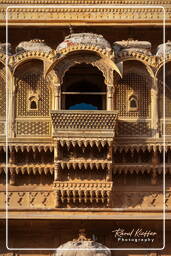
x=91, y=14
x=135, y=168
x=144, y=146
x=29, y=169
x=86, y=164
x=82, y=2
x=89, y=185
x=28, y=147
x=84, y=142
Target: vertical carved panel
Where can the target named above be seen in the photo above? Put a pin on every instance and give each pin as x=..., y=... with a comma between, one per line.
x=2, y=97
x=133, y=83
x=29, y=85
x=167, y=97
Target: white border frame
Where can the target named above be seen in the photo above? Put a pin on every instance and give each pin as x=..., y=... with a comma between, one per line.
x=164, y=76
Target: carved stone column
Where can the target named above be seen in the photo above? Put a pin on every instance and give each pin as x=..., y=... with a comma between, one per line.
x=110, y=92
x=154, y=109
x=57, y=96
x=11, y=107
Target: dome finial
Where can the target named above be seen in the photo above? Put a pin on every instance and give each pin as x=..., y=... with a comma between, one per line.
x=70, y=29
x=82, y=236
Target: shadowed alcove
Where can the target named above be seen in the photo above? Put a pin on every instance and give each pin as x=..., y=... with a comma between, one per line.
x=83, y=89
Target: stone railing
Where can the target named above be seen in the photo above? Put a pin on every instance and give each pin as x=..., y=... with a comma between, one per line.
x=91, y=122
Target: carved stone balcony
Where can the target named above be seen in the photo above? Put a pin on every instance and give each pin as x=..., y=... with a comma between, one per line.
x=83, y=192
x=86, y=124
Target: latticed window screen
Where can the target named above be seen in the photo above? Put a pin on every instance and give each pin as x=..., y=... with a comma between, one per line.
x=130, y=83
x=32, y=83
x=2, y=98
x=167, y=97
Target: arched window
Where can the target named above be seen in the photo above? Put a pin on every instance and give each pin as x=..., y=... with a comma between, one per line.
x=33, y=103
x=83, y=88
x=133, y=103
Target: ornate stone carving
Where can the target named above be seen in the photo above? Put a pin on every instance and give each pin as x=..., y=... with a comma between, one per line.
x=83, y=120
x=33, y=128
x=86, y=164
x=85, y=142
x=134, y=129
x=123, y=200
x=133, y=83
x=145, y=200
x=106, y=66
x=2, y=128
x=158, y=2
x=32, y=84
x=2, y=97
x=28, y=147
x=28, y=199
x=83, y=192
x=78, y=15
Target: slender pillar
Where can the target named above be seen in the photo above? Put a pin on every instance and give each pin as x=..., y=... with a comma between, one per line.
x=11, y=107
x=110, y=91
x=57, y=97
x=154, y=109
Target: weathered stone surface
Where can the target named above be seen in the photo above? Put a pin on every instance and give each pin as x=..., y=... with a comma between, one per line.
x=3, y=48
x=161, y=49
x=82, y=248
x=132, y=45
x=86, y=39
x=33, y=45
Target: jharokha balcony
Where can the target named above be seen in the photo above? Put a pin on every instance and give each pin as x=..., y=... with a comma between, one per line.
x=85, y=124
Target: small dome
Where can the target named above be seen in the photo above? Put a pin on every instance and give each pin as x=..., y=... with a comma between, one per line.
x=82, y=246
x=160, y=49
x=133, y=45
x=32, y=45
x=86, y=39
x=3, y=48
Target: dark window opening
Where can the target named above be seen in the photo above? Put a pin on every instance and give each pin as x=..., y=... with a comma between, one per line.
x=33, y=105
x=83, y=89
x=133, y=104
x=83, y=106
